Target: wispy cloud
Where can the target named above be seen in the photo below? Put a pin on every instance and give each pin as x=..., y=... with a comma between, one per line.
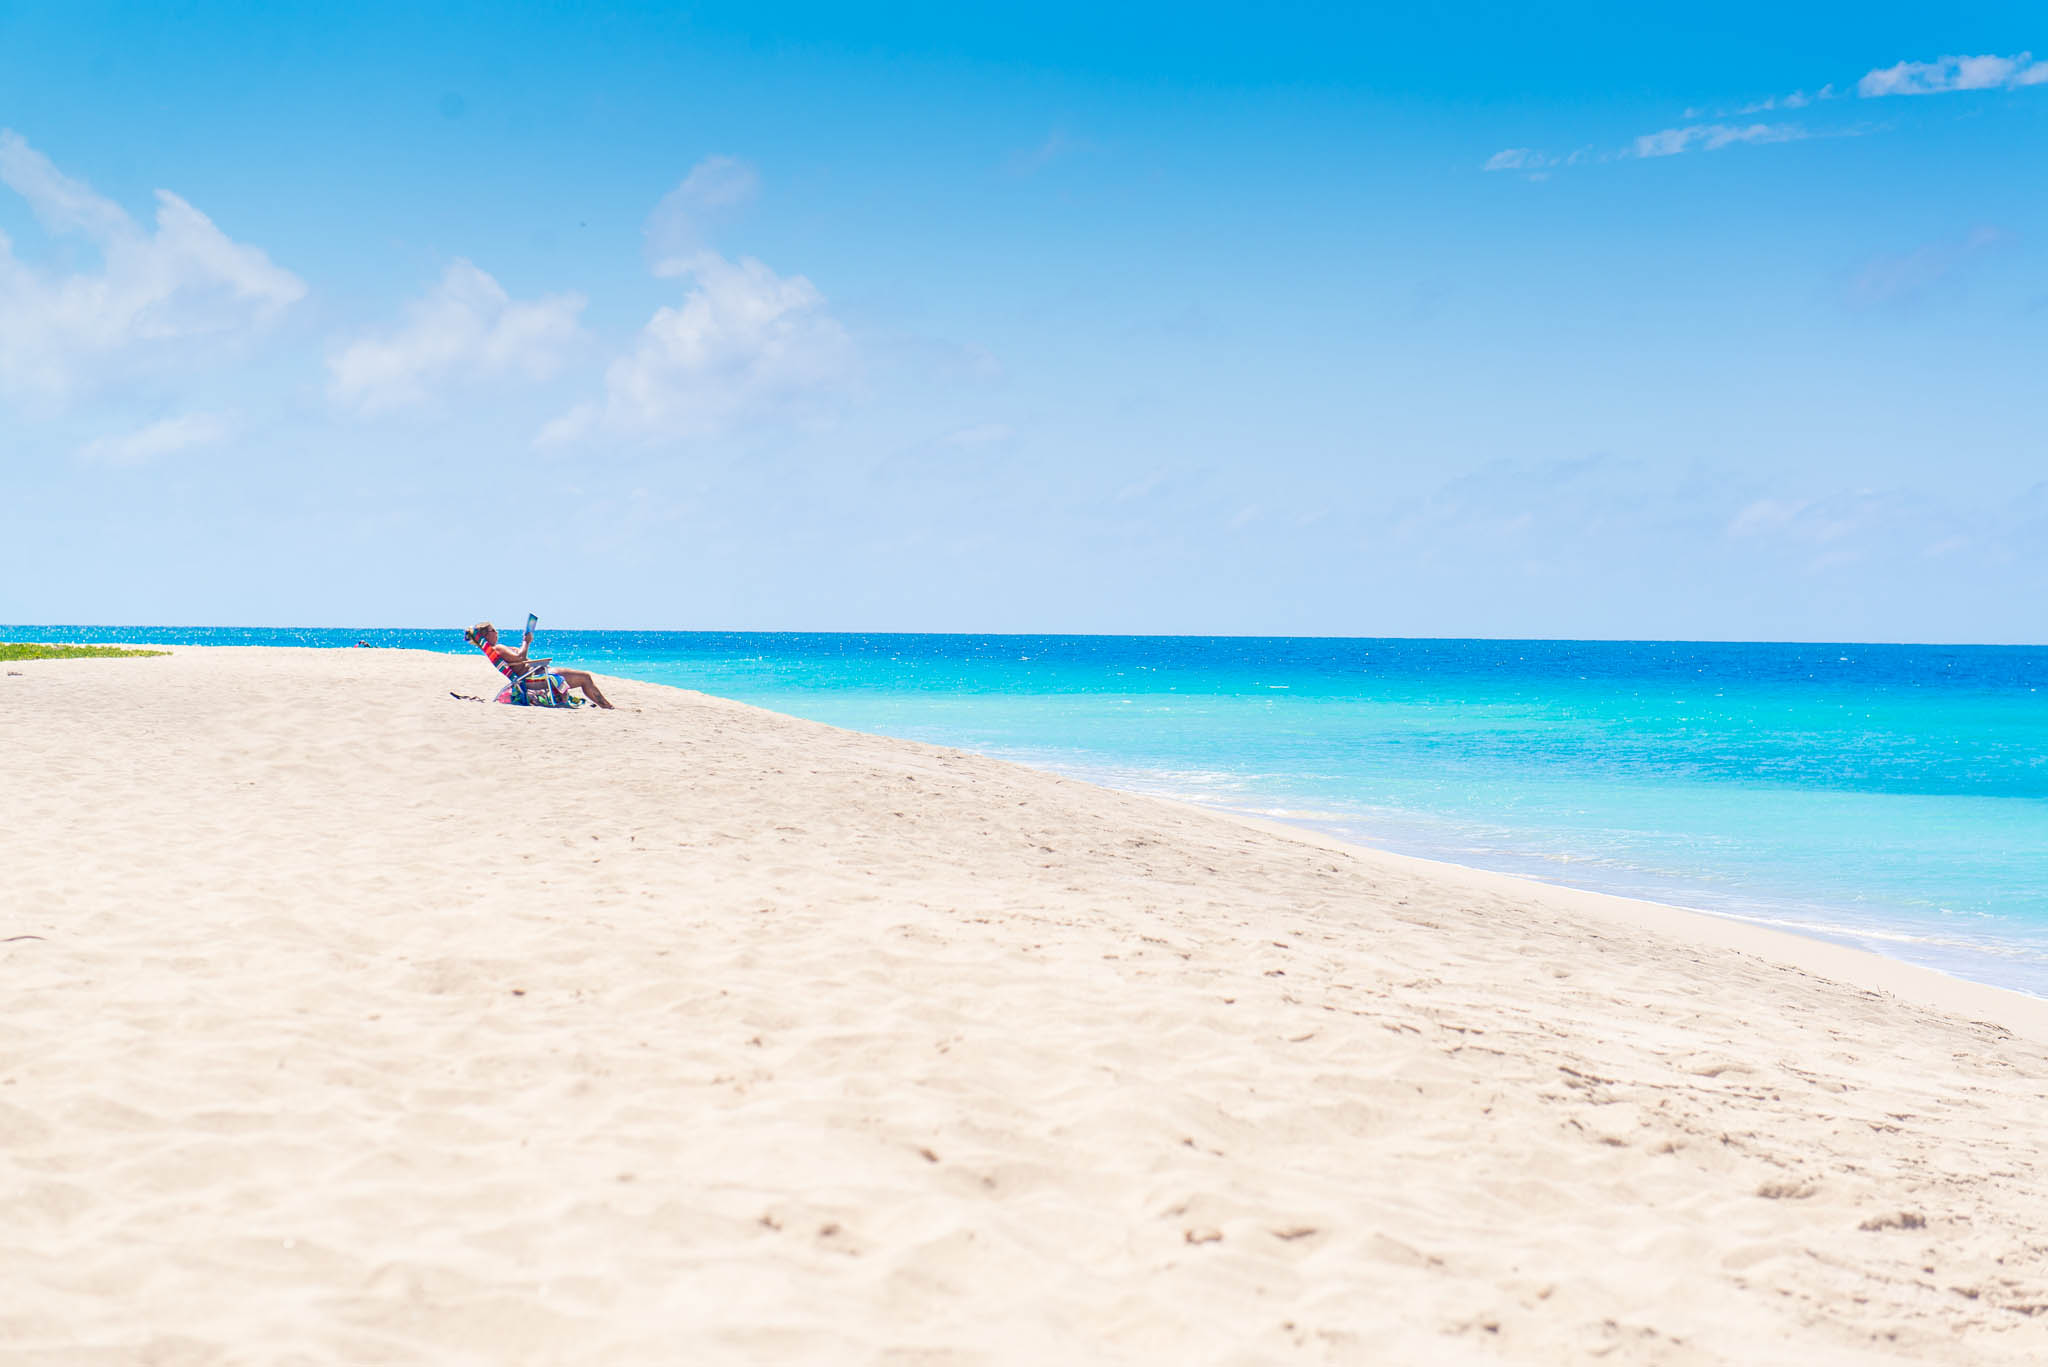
x=1766, y=516
x=1669, y=142
x=1059, y=143
x=1533, y=163
x=1708, y=129
x=1945, y=74
x=1864, y=530
x=1798, y=99
x=1834, y=533
x=1518, y=159
x=1912, y=275
x=680, y=227
x=465, y=328
x=165, y=437
x=156, y=294
x=1712, y=137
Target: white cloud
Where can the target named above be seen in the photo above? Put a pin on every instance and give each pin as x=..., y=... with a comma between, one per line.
x=1669, y=142
x=1536, y=165
x=1798, y=99
x=681, y=223
x=1705, y=130
x=1517, y=159
x=465, y=328
x=165, y=437
x=155, y=294
x=1712, y=137
x=745, y=343
x=1953, y=73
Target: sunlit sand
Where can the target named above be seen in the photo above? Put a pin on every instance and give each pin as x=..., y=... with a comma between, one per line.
x=349, y=1022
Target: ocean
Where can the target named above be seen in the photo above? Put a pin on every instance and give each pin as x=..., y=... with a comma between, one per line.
x=1893, y=797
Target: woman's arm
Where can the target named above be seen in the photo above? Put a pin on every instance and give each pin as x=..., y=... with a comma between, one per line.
x=508, y=655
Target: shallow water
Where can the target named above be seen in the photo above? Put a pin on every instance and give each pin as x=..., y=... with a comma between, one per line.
x=1894, y=797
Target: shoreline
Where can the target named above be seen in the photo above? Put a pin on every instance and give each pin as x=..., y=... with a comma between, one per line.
x=2020, y=1012
x=1933, y=988
x=1808, y=948
x=1843, y=940
x=351, y=1022
x=1979, y=942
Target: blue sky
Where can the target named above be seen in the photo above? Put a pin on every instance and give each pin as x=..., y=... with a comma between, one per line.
x=1451, y=321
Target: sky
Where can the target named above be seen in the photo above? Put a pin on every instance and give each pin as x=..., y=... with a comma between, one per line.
x=1433, y=320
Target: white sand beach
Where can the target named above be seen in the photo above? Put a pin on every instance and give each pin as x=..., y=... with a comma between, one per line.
x=350, y=1023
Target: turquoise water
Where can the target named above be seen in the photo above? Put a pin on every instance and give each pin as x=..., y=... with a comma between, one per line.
x=1894, y=797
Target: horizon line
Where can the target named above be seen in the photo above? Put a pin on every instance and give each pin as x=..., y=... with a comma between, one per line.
x=1065, y=635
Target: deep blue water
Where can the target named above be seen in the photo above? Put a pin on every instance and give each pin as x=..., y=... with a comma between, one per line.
x=1894, y=797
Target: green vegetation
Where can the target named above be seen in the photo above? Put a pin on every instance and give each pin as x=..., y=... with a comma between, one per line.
x=32, y=651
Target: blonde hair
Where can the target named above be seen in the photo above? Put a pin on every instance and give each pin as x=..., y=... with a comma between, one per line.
x=478, y=630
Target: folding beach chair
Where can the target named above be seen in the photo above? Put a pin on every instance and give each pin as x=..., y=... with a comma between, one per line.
x=531, y=685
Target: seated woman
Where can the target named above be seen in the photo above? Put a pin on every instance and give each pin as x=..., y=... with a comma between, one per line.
x=486, y=636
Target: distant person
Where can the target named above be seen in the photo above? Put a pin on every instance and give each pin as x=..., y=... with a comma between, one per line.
x=485, y=636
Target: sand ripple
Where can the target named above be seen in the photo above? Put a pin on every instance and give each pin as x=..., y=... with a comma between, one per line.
x=364, y=1025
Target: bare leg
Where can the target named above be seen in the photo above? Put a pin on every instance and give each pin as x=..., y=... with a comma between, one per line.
x=576, y=678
